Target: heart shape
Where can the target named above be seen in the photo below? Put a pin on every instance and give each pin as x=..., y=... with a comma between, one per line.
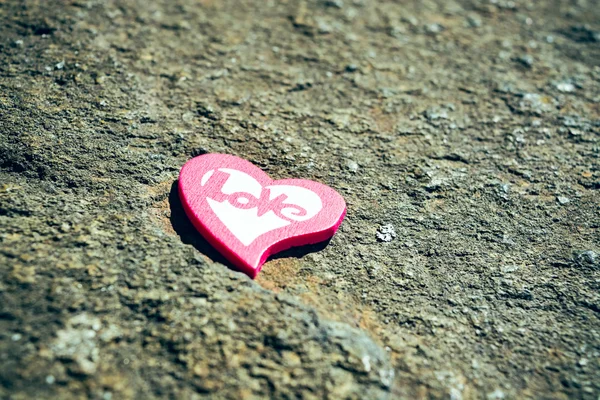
x=247, y=216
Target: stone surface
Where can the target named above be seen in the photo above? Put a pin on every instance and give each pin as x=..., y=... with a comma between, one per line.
x=460, y=123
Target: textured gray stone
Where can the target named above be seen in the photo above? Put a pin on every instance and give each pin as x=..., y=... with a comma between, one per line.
x=415, y=111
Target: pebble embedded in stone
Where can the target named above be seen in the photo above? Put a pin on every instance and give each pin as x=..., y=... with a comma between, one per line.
x=588, y=257
x=386, y=233
x=565, y=87
x=352, y=165
x=334, y=3
x=526, y=60
x=536, y=103
x=351, y=68
x=435, y=113
x=434, y=28
x=473, y=21
x=496, y=395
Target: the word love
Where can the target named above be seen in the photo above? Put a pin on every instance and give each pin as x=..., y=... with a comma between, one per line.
x=243, y=200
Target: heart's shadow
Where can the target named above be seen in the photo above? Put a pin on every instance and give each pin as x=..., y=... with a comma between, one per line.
x=189, y=235
x=186, y=231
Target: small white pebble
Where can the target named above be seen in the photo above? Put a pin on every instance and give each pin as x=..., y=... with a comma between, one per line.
x=386, y=233
x=50, y=380
x=16, y=337
x=496, y=395
x=352, y=165
x=565, y=87
x=366, y=363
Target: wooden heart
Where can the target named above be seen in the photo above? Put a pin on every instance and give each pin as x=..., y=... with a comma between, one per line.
x=247, y=216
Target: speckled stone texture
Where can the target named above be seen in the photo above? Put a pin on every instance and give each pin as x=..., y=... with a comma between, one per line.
x=464, y=136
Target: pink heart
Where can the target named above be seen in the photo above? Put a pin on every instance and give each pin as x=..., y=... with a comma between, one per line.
x=247, y=216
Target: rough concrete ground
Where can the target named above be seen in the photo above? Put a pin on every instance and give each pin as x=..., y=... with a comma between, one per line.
x=470, y=126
